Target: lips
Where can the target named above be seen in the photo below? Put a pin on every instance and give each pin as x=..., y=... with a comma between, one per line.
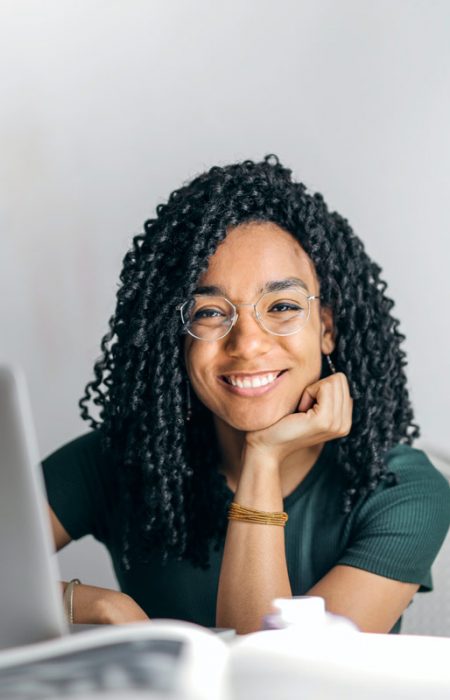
x=249, y=381
x=254, y=384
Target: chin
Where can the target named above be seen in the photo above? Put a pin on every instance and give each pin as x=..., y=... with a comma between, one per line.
x=249, y=424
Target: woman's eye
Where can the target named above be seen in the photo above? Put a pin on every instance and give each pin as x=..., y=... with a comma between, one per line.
x=285, y=306
x=207, y=313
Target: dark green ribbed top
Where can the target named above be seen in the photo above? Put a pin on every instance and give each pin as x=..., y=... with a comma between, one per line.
x=395, y=532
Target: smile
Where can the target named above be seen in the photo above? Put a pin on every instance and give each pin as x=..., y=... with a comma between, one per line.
x=251, y=384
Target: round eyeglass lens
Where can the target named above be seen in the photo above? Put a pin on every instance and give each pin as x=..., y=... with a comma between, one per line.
x=207, y=317
x=283, y=313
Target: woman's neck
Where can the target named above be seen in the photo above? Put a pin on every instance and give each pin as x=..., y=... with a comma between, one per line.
x=292, y=470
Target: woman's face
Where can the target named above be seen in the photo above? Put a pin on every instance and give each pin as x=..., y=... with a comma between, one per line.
x=251, y=256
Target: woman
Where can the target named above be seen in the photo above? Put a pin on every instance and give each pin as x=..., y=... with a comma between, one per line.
x=252, y=359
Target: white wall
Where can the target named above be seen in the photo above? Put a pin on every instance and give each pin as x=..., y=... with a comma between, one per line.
x=107, y=106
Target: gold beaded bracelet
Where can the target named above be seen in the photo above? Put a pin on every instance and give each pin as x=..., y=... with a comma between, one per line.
x=68, y=599
x=249, y=515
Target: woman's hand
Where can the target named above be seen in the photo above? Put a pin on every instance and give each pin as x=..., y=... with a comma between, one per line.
x=93, y=605
x=324, y=413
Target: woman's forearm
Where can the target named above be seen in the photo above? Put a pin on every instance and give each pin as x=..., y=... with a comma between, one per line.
x=254, y=569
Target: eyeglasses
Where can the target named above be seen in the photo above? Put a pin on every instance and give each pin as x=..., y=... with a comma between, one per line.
x=210, y=318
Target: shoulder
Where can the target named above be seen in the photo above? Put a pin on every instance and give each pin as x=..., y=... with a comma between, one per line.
x=418, y=481
x=419, y=498
x=81, y=457
x=412, y=465
x=79, y=486
x=88, y=443
x=87, y=446
x=397, y=529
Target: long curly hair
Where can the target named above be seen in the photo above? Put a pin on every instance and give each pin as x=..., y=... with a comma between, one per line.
x=171, y=495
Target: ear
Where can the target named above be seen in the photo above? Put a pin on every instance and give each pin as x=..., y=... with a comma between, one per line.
x=327, y=330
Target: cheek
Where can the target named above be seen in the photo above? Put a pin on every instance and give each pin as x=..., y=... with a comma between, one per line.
x=305, y=350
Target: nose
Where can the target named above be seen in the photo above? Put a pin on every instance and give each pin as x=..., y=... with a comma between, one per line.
x=248, y=338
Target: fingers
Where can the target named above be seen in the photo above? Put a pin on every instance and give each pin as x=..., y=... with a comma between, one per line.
x=324, y=414
x=332, y=405
x=307, y=400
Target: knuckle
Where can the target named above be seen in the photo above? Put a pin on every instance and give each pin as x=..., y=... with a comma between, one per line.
x=345, y=429
x=326, y=423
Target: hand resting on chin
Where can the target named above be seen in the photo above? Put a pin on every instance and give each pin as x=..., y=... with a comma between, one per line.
x=324, y=413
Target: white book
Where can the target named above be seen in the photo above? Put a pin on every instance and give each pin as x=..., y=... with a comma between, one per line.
x=171, y=660
x=159, y=659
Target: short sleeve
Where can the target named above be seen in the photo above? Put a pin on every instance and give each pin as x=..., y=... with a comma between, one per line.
x=398, y=530
x=77, y=488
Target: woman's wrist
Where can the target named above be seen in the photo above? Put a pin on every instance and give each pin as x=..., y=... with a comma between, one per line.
x=256, y=458
x=259, y=483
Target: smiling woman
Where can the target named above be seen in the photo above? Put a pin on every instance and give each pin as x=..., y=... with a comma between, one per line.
x=275, y=339
x=255, y=430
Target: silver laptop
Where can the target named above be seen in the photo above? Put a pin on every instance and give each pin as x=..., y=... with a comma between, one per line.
x=31, y=606
x=165, y=658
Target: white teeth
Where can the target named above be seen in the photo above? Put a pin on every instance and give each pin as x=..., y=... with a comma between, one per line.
x=252, y=382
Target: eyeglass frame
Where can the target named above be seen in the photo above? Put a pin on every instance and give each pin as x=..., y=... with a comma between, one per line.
x=180, y=307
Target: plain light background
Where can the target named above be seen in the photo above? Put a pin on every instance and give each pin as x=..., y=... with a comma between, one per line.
x=107, y=106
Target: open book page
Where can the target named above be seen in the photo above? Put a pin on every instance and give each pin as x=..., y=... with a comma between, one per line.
x=286, y=665
x=171, y=660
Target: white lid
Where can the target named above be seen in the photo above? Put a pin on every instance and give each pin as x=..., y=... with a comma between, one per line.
x=305, y=610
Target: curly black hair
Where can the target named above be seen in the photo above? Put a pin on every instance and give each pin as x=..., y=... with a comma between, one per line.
x=170, y=492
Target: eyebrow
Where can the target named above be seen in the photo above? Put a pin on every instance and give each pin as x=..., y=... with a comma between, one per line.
x=273, y=286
